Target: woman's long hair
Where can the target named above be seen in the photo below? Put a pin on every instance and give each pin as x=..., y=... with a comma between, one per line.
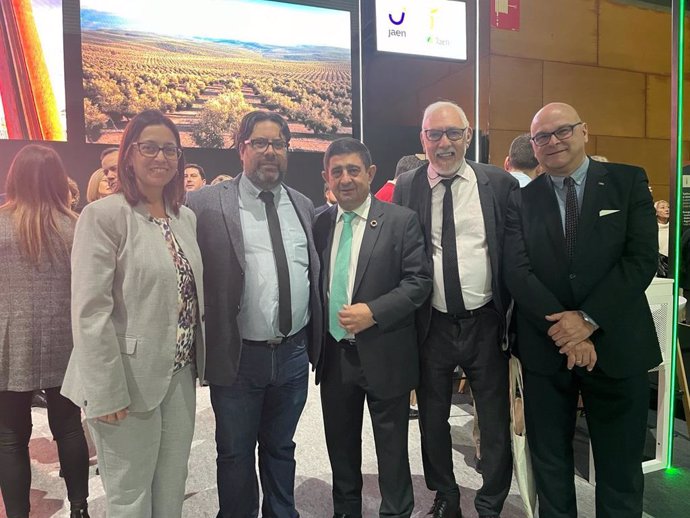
x=37, y=193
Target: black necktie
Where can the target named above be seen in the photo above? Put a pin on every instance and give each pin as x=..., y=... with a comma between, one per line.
x=570, y=216
x=284, y=303
x=451, y=274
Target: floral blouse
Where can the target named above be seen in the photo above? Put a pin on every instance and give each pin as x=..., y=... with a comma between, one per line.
x=186, y=298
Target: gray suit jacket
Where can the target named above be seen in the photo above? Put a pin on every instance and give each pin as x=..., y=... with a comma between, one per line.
x=219, y=233
x=495, y=187
x=35, y=329
x=125, y=307
x=393, y=277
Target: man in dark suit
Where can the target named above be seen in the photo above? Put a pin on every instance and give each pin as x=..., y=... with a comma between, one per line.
x=581, y=248
x=263, y=318
x=375, y=275
x=461, y=205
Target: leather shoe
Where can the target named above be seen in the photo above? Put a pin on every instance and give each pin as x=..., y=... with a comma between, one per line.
x=443, y=509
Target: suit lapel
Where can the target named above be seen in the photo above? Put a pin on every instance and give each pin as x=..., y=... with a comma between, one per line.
x=328, y=227
x=591, y=203
x=230, y=208
x=420, y=202
x=371, y=233
x=545, y=198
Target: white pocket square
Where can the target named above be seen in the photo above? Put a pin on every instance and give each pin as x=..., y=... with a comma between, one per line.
x=606, y=212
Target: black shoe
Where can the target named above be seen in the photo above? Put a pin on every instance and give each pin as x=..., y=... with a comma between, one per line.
x=79, y=511
x=414, y=413
x=38, y=400
x=443, y=509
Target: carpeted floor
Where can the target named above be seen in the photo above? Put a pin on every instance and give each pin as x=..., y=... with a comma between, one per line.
x=667, y=494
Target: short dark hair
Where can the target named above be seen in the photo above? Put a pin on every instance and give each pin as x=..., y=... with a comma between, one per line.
x=198, y=168
x=252, y=119
x=345, y=146
x=173, y=192
x=521, y=154
x=407, y=163
x=107, y=151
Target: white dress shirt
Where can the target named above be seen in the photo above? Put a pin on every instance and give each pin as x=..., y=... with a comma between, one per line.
x=359, y=224
x=470, y=237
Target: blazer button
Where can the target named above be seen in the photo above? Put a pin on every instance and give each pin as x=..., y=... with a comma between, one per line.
x=203, y=318
x=238, y=308
x=572, y=276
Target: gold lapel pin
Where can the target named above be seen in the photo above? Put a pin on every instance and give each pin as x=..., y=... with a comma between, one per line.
x=373, y=223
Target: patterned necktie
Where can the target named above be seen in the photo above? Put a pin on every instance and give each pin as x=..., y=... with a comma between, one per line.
x=284, y=298
x=451, y=274
x=571, y=215
x=340, y=278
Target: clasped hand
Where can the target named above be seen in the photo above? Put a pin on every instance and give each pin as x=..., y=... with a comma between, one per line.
x=355, y=318
x=114, y=417
x=569, y=328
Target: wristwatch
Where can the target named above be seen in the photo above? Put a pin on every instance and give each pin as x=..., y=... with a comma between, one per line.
x=588, y=319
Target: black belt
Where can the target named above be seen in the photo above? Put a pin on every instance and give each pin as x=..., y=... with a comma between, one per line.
x=464, y=314
x=273, y=342
x=345, y=343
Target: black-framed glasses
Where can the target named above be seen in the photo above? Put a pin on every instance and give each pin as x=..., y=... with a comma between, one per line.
x=434, y=135
x=562, y=133
x=151, y=150
x=261, y=144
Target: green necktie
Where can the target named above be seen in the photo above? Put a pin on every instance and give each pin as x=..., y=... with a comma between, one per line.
x=339, y=278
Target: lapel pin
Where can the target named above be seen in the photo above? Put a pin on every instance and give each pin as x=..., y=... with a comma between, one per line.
x=373, y=223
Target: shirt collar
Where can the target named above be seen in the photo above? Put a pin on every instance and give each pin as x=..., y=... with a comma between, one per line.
x=435, y=178
x=248, y=187
x=578, y=175
x=362, y=211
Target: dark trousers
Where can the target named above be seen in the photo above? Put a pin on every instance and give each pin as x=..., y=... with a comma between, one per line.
x=264, y=404
x=343, y=391
x=64, y=418
x=471, y=343
x=616, y=411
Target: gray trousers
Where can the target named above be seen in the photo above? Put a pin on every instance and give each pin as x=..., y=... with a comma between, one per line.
x=143, y=458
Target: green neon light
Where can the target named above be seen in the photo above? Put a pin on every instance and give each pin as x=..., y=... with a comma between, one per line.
x=678, y=215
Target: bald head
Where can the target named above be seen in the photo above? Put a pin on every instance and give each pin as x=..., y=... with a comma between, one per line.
x=567, y=135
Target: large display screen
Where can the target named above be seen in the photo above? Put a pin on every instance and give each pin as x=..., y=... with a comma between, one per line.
x=206, y=63
x=32, y=70
x=434, y=28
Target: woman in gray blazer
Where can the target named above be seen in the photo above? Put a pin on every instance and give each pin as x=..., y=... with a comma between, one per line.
x=137, y=313
x=36, y=229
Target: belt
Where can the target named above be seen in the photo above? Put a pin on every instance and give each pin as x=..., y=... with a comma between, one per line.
x=463, y=314
x=345, y=343
x=272, y=342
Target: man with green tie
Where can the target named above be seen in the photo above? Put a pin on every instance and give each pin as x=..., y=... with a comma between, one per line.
x=375, y=275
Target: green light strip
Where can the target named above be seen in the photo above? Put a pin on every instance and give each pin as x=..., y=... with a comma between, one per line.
x=678, y=215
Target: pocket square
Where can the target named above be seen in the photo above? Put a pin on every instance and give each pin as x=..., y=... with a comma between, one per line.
x=606, y=212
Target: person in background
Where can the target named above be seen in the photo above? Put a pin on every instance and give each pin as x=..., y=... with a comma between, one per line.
x=263, y=321
x=330, y=200
x=370, y=342
x=221, y=178
x=663, y=209
x=137, y=313
x=109, y=164
x=461, y=205
x=98, y=186
x=74, y=194
x=406, y=163
x=194, y=177
x=521, y=162
x=580, y=250
x=36, y=231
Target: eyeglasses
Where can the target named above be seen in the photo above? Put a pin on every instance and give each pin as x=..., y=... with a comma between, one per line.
x=562, y=133
x=151, y=150
x=434, y=135
x=261, y=144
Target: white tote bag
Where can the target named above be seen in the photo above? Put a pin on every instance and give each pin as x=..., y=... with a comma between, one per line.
x=522, y=463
